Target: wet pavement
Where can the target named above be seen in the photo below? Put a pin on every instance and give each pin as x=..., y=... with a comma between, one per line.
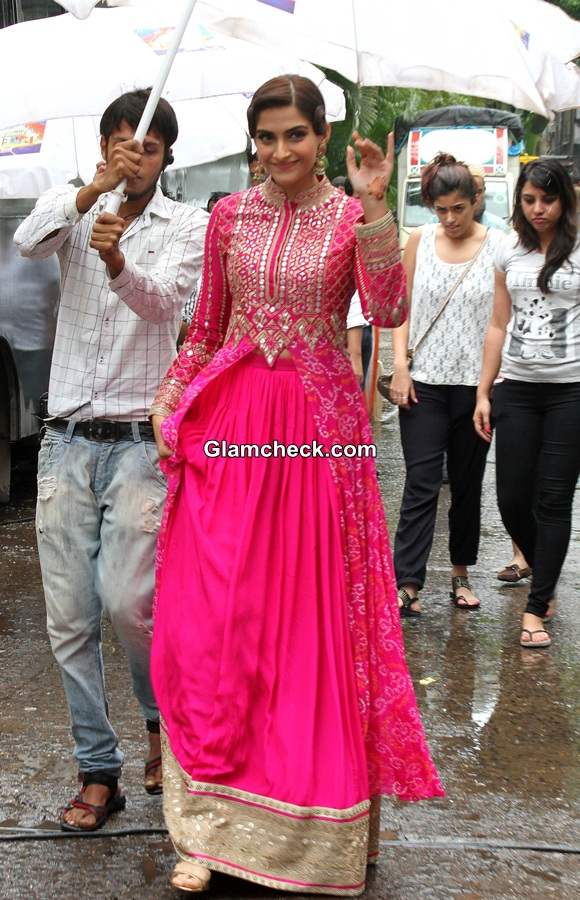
x=503, y=724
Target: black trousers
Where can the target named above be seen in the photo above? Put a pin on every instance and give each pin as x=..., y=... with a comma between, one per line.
x=440, y=423
x=367, y=347
x=537, y=463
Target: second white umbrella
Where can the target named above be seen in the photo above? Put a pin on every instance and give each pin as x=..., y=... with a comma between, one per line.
x=37, y=155
x=492, y=50
x=76, y=68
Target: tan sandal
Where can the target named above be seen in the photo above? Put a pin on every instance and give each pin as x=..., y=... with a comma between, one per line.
x=530, y=643
x=512, y=574
x=190, y=877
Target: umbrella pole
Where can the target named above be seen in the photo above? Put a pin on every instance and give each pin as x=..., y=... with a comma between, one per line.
x=117, y=196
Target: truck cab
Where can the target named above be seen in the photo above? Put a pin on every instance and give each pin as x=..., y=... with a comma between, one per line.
x=493, y=147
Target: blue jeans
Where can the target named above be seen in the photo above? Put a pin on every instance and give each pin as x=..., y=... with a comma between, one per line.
x=98, y=514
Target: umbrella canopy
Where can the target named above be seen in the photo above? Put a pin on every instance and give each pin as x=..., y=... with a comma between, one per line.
x=37, y=155
x=79, y=8
x=49, y=135
x=65, y=76
x=547, y=24
x=500, y=50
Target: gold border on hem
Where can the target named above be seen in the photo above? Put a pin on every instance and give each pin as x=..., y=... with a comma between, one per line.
x=278, y=806
x=234, y=872
x=266, y=841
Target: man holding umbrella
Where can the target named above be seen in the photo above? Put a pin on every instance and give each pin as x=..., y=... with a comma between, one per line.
x=125, y=279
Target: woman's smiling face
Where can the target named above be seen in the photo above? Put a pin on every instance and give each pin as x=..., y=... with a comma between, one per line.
x=287, y=146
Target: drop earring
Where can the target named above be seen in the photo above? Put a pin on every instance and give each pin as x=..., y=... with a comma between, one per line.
x=321, y=161
x=259, y=173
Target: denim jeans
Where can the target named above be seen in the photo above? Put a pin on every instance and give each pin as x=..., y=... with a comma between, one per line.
x=98, y=514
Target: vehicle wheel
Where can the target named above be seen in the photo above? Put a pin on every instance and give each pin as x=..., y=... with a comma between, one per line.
x=4, y=470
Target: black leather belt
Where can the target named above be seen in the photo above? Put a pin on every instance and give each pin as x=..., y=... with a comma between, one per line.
x=103, y=429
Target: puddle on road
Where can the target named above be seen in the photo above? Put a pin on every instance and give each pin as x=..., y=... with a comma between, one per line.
x=494, y=713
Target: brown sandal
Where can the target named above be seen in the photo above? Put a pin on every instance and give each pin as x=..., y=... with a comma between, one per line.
x=513, y=574
x=153, y=785
x=115, y=803
x=532, y=644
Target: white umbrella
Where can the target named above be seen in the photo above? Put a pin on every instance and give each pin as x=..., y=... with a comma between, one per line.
x=77, y=67
x=547, y=24
x=559, y=84
x=491, y=50
x=79, y=8
x=39, y=155
x=54, y=145
x=35, y=156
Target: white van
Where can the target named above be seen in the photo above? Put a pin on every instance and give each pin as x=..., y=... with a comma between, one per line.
x=495, y=148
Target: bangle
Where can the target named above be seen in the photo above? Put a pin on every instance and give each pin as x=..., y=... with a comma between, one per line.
x=159, y=411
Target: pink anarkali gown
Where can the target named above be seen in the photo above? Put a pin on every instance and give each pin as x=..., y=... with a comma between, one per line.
x=278, y=660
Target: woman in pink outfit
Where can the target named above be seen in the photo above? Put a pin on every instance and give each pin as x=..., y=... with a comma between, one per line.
x=278, y=661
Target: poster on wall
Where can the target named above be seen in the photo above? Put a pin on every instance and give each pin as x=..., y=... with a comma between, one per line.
x=20, y=139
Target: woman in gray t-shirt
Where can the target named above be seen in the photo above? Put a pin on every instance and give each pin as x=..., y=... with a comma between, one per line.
x=534, y=340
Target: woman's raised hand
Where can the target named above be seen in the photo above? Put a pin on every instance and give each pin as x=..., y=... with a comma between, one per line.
x=372, y=175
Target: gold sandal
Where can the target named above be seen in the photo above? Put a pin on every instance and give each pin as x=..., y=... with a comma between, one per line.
x=458, y=582
x=197, y=876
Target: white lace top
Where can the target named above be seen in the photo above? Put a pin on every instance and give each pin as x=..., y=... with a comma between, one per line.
x=452, y=351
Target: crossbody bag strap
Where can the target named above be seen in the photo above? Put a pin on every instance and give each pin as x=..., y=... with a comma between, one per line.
x=448, y=296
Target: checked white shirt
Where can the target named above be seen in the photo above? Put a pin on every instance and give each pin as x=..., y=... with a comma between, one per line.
x=115, y=338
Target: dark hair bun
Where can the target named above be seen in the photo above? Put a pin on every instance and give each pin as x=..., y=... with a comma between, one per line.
x=442, y=176
x=319, y=119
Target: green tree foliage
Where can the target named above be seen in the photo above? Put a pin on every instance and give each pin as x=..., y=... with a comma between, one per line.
x=373, y=110
x=571, y=7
